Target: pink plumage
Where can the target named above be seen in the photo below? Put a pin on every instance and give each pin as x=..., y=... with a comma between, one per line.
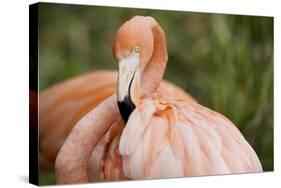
x=173, y=139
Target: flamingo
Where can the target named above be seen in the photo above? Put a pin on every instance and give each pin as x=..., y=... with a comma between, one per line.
x=143, y=133
x=76, y=97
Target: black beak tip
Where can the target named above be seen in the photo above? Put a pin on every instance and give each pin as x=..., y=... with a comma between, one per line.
x=126, y=107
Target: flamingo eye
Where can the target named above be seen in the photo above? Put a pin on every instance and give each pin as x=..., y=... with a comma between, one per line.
x=137, y=49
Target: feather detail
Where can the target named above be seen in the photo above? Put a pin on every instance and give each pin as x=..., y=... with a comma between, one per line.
x=174, y=138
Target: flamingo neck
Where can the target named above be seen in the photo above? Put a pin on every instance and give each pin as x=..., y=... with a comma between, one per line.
x=73, y=158
x=153, y=73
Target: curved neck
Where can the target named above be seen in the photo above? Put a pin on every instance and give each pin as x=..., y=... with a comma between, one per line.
x=153, y=73
x=73, y=158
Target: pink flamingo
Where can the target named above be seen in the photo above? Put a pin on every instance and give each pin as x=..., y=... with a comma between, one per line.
x=74, y=97
x=159, y=135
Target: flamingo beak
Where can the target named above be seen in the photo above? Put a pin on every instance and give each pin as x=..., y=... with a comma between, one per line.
x=128, y=85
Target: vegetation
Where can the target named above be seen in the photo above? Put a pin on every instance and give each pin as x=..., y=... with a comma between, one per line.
x=224, y=61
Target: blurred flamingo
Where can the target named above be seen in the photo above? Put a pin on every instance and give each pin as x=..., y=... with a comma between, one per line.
x=62, y=105
x=158, y=135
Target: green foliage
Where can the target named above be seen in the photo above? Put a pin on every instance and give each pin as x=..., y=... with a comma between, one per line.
x=224, y=61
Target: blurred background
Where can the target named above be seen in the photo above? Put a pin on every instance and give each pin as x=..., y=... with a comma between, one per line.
x=224, y=61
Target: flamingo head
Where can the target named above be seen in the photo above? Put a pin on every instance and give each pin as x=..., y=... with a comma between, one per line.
x=132, y=49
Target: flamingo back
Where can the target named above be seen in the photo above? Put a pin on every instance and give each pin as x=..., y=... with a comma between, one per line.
x=166, y=138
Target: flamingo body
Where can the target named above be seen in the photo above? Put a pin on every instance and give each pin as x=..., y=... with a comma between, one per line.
x=165, y=138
